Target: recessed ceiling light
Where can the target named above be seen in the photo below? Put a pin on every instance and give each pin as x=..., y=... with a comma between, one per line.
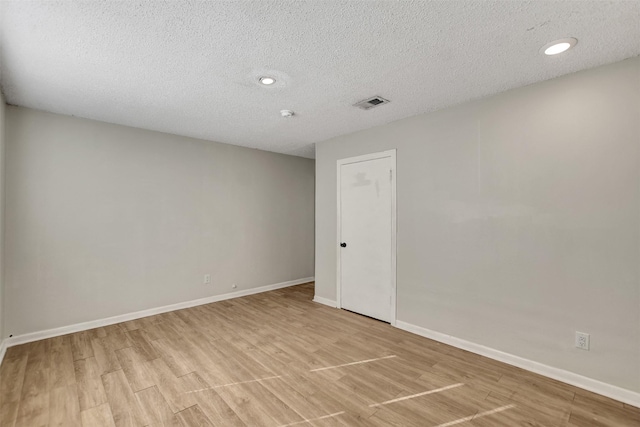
x=558, y=46
x=287, y=113
x=267, y=80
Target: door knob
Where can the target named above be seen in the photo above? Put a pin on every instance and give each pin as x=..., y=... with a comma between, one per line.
x=344, y=245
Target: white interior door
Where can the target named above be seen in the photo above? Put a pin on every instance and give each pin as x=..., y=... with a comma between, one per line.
x=366, y=217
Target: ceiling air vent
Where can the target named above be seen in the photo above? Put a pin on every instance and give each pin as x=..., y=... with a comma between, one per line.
x=369, y=103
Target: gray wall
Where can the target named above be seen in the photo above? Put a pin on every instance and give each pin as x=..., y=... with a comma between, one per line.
x=2, y=169
x=518, y=220
x=105, y=220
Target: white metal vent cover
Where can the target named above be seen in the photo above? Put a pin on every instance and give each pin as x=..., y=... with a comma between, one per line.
x=367, y=104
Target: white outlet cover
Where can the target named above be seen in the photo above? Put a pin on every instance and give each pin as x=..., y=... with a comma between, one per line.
x=582, y=340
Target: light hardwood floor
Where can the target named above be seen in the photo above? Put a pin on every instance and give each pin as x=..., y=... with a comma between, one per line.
x=278, y=359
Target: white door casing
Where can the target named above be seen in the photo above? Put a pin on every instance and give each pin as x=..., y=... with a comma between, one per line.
x=366, y=223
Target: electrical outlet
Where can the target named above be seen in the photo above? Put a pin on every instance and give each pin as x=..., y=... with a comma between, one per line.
x=582, y=340
x=207, y=279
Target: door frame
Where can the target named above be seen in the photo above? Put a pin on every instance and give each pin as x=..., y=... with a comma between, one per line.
x=357, y=159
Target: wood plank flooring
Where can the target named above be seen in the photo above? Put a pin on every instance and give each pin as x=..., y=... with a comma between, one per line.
x=278, y=359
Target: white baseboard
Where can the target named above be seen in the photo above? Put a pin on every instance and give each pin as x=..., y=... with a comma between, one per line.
x=599, y=387
x=64, y=330
x=325, y=301
x=3, y=349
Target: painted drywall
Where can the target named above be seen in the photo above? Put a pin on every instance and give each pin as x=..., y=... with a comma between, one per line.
x=2, y=169
x=104, y=220
x=518, y=220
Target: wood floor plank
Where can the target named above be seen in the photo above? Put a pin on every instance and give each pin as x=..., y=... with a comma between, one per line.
x=96, y=333
x=16, y=351
x=172, y=388
x=555, y=405
x=64, y=407
x=12, y=374
x=213, y=366
x=135, y=369
x=260, y=361
x=631, y=408
x=522, y=411
x=98, y=416
x=256, y=405
x=115, y=328
x=193, y=416
x=125, y=408
x=81, y=345
x=590, y=410
x=348, y=419
x=142, y=345
x=33, y=410
x=9, y=413
x=174, y=354
x=61, y=371
x=89, y=384
x=210, y=402
x=315, y=393
x=300, y=403
x=164, y=330
x=105, y=355
x=117, y=338
x=155, y=407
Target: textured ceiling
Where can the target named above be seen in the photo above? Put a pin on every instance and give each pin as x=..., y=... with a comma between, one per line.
x=191, y=68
